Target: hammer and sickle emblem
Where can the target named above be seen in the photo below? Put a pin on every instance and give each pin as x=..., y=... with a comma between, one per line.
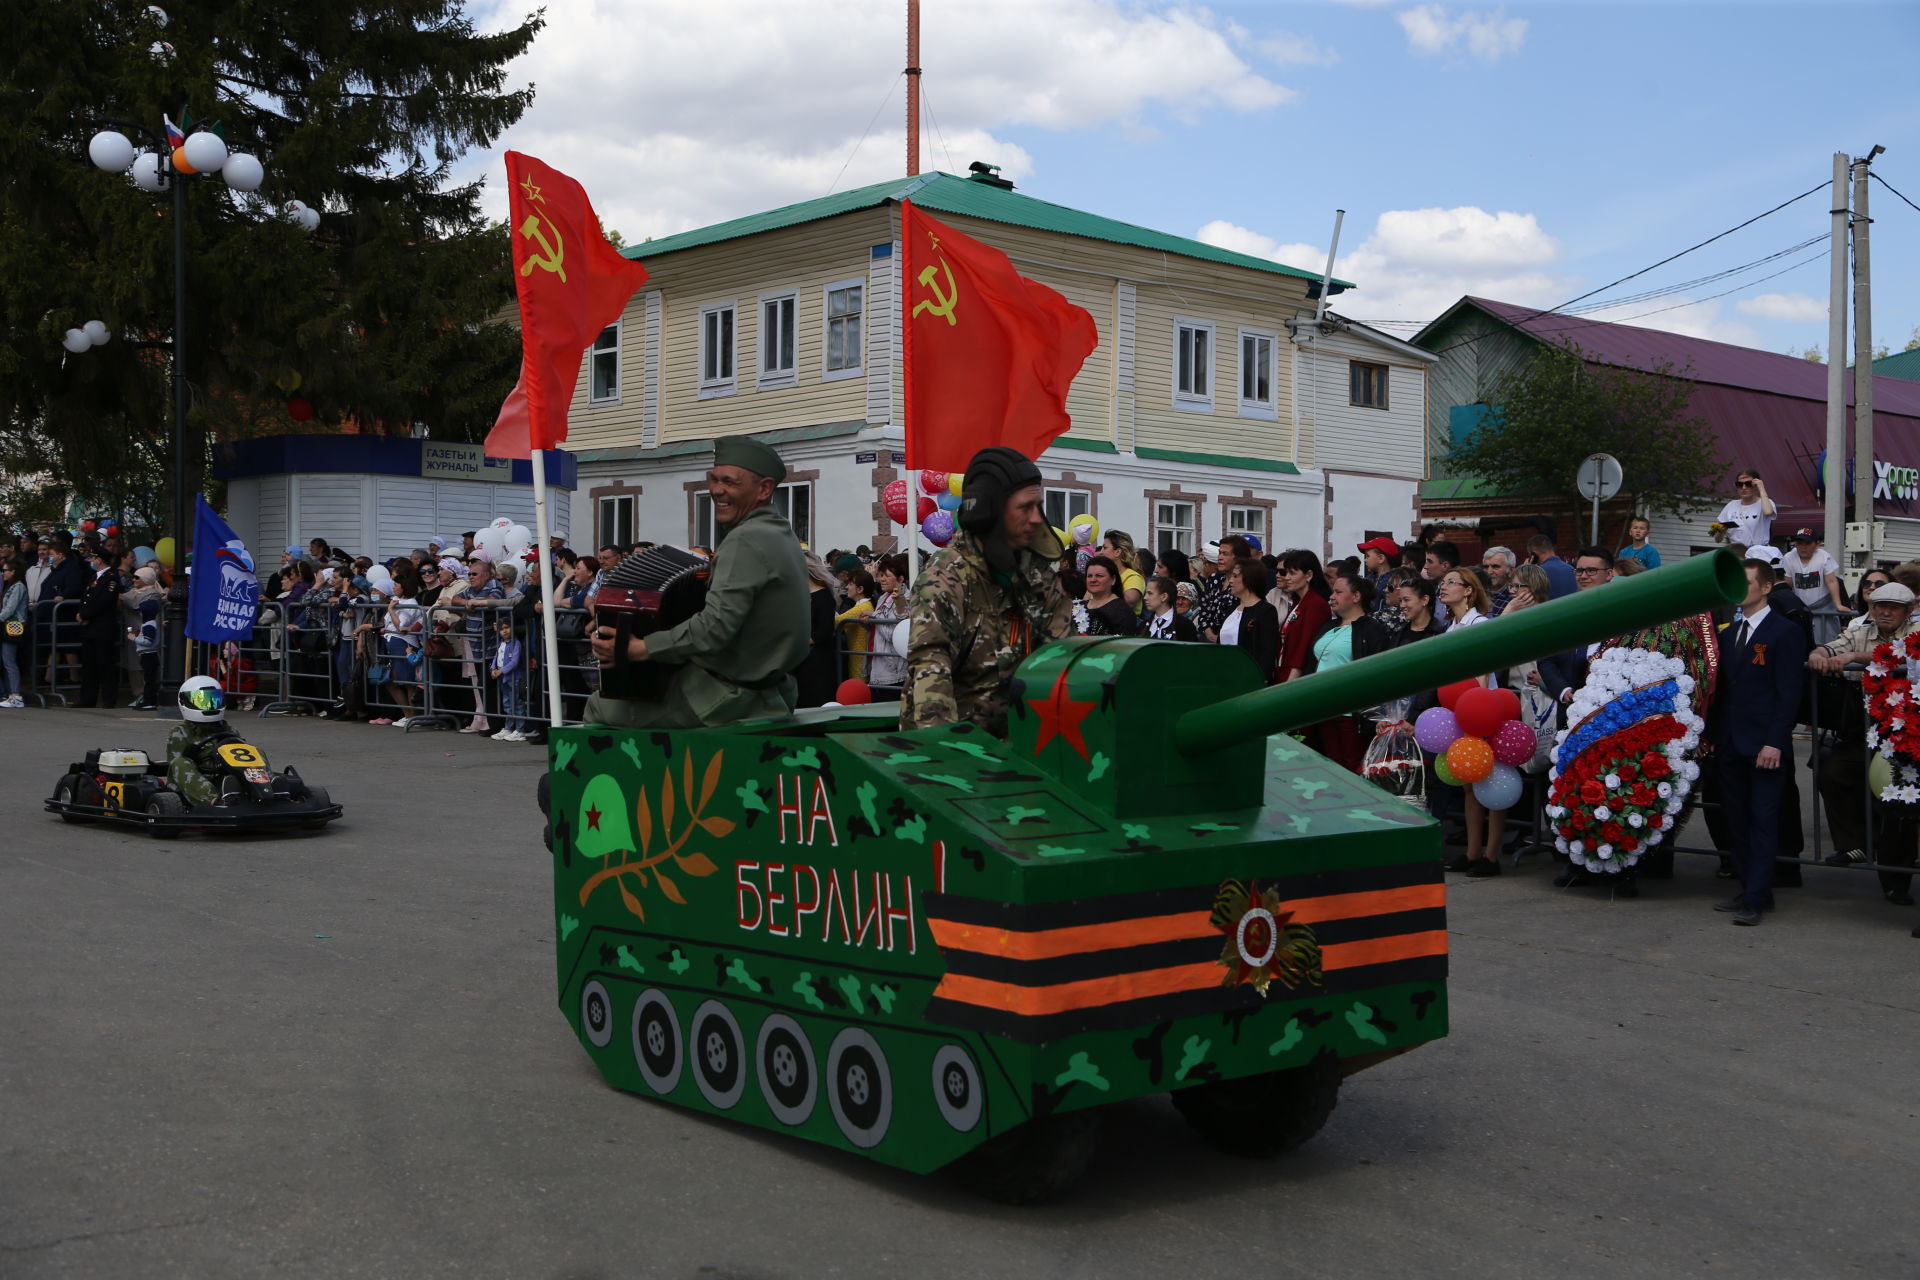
x=556, y=249
x=943, y=302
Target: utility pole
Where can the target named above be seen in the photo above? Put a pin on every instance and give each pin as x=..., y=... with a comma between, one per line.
x=1862, y=537
x=1835, y=477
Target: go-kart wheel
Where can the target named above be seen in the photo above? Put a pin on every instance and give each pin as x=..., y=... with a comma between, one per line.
x=165, y=805
x=546, y=837
x=543, y=794
x=1035, y=1162
x=68, y=793
x=317, y=796
x=1265, y=1114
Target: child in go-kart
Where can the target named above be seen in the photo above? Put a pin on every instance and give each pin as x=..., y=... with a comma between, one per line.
x=191, y=749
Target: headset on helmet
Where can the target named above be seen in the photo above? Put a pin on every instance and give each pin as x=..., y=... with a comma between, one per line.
x=202, y=700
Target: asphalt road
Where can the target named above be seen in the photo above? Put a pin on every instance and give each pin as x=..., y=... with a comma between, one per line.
x=338, y=1055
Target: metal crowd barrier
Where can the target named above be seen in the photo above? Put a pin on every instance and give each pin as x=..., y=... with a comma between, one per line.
x=863, y=650
x=55, y=631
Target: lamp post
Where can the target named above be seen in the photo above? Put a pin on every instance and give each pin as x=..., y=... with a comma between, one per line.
x=167, y=161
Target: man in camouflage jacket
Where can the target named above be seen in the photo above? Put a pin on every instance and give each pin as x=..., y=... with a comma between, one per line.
x=986, y=601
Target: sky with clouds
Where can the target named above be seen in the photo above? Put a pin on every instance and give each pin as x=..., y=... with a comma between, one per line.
x=1524, y=152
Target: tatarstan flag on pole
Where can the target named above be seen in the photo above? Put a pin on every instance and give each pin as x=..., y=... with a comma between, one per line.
x=988, y=353
x=571, y=284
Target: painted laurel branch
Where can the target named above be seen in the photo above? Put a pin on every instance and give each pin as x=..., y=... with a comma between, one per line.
x=647, y=868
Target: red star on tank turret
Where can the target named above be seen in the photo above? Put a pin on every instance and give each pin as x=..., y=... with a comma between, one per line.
x=1060, y=715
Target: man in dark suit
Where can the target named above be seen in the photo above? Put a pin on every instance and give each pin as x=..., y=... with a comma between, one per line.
x=1763, y=660
x=99, y=615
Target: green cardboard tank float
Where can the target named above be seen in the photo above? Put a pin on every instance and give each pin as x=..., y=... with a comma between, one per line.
x=934, y=946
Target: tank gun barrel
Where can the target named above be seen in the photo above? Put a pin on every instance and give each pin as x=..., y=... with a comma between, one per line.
x=1676, y=591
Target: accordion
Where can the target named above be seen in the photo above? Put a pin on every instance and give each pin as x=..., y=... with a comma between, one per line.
x=649, y=591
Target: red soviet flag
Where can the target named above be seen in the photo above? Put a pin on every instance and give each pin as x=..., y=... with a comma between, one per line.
x=571, y=284
x=988, y=353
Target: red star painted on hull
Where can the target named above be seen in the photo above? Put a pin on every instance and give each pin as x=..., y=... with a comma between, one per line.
x=1060, y=715
x=593, y=818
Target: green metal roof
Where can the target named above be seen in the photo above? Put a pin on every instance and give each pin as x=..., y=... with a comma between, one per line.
x=944, y=193
x=1901, y=364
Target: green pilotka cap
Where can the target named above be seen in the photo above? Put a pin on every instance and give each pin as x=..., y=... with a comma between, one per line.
x=749, y=455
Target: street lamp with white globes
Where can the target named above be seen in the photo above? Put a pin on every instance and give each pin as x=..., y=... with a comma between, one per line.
x=165, y=165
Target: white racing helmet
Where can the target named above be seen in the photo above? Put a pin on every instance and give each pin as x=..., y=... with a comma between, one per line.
x=202, y=700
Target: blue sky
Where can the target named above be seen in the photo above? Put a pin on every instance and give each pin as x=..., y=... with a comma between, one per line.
x=1529, y=152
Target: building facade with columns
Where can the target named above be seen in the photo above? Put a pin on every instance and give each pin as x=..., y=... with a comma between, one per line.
x=1214, y=403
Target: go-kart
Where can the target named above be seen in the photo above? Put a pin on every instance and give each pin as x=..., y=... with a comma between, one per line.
x=125, y=786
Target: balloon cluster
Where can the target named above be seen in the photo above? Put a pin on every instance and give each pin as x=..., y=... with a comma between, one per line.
x=1477, y=739
x=1083, y=535
x=938, y=499
x=504, y=540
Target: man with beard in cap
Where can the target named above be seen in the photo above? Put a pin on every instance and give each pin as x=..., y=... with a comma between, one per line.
x=735, y=657
x=985, y=601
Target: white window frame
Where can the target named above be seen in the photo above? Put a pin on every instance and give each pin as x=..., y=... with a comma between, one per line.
x=1070, y=499
x=827, y=373
x=704, y=531
x=1257, y=407
x=614, y=511
x=608, y=351
x=777, y=377
x=1200, y=400
x=727, y=366
x=1256, y=527
x=1167, y=533
x=1386, y=385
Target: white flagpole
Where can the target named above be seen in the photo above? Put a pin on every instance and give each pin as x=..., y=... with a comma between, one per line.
x=549, y=627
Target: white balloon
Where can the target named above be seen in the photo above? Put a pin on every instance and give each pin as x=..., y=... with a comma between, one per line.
x=145, y=172
x=157, y=15
x=243, y=172
x=110, y=151
x=161, y=51
x=502, y=522
x=96, y=331
x=902, y=635
x=75, y=341
x=293, y=208
x=310, y=219
x=205, y=151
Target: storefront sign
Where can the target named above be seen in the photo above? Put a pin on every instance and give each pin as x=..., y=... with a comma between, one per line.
x=462, y=462
x=1896, y=484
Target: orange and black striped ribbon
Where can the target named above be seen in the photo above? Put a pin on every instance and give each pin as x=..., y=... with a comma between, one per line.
x=1038, y=971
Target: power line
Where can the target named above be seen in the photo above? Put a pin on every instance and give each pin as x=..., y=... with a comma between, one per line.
x=1889, y=186
x=1819, y=186
x=864, y=132
x=927, y=98
x=1694, y=302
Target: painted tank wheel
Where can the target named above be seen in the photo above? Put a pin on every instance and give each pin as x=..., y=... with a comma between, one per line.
x=956, y=1087
x=656, y=1041
x=860, y=1087
x=596, y=1014
x=789, y=1081
x=718, y=1066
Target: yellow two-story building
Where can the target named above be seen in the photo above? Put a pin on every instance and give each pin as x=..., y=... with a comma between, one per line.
x=1213, y=404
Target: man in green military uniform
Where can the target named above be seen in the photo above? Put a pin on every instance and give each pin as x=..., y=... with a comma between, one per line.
x=986, y=601
x=735, y=657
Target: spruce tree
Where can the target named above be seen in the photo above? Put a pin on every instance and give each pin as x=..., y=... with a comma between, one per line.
x=378, y=319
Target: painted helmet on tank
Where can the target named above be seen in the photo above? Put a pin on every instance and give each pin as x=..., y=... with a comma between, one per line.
x=202, y=700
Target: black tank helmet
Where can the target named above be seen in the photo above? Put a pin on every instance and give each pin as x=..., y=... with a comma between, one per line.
x=995, y=474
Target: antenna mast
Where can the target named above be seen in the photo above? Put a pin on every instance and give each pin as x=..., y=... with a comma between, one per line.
x=913, y=87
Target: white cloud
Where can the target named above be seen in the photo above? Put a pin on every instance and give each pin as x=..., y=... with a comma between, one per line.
x=1292, y=50
x=1784, y=306
x=1418, y=262
x=704, y=111
x=1486, y=36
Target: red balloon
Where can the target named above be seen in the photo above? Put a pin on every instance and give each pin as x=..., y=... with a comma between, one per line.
x=895, y=498
x=1481, y=711
x=1450, y=694
x=853, y=693
x=933, y=482
x=299, y=410
x=88, y=525
x=927, y=507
